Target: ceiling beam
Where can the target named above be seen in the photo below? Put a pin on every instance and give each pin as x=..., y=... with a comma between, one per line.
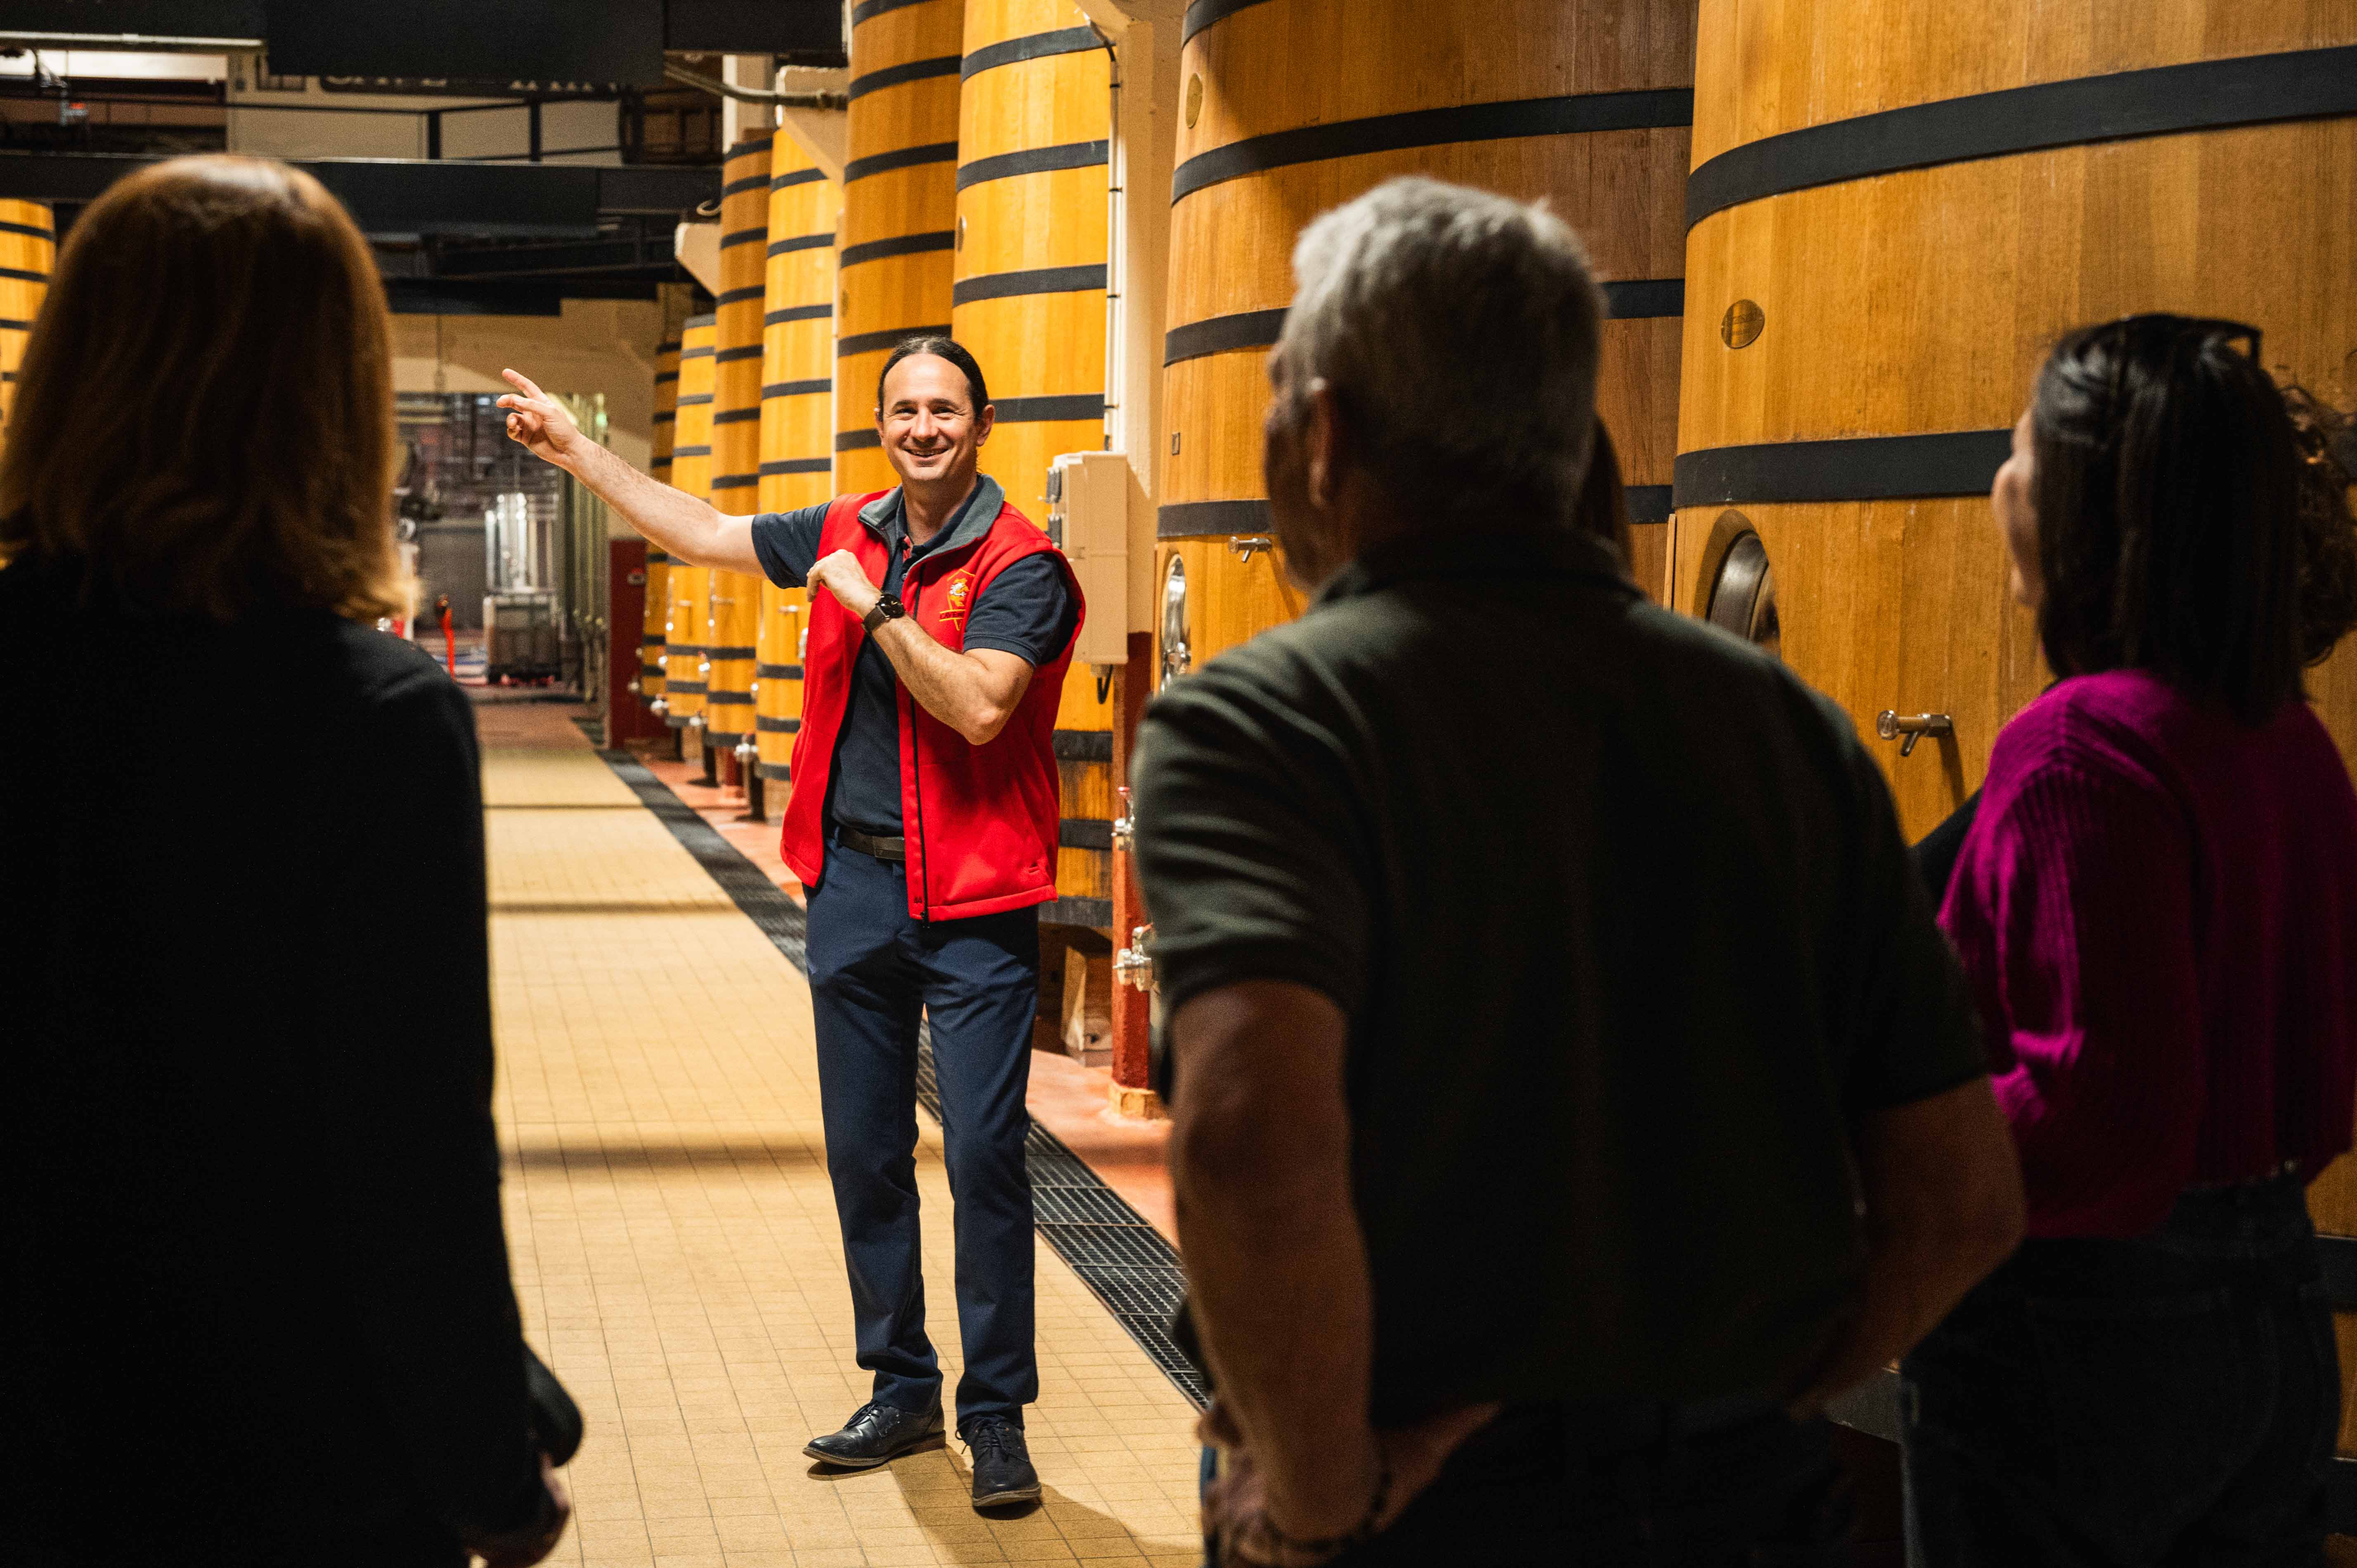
x=404, y=198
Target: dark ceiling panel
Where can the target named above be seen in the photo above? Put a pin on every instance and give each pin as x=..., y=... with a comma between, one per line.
x=530, y=40
x=809, y=30
x=149, y=18
x=395, y=197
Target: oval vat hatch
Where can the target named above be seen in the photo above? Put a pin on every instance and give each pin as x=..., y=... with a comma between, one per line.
x=1175, y=661
x=1743, y=599
x=1194, y=99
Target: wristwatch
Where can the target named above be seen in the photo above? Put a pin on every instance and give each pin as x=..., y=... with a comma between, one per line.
x=887, y=608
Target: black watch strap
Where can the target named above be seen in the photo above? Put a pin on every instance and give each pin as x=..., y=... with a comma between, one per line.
x=887, y=608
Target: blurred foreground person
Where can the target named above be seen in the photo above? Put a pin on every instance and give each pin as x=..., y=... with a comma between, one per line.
x=254, y=1287
x=2156, y=906
x=1572, y=1089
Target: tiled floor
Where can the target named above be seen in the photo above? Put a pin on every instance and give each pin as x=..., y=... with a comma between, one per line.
x=675, y=1240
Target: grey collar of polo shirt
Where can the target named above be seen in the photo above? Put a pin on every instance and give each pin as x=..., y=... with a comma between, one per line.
x=884, y=518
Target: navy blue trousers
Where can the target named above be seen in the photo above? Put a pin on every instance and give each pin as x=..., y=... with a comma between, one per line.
x=875, y=971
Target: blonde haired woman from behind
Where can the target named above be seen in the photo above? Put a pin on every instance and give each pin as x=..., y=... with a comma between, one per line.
x=255, y=1293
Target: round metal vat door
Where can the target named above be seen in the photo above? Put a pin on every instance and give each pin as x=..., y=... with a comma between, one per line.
x=1175, y=661
x=1743, y=599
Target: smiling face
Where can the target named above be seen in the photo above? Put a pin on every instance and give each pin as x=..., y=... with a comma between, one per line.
x=931, y=429
x=2017, y=515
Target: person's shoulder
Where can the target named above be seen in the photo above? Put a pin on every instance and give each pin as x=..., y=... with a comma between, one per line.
x=1013, y=532
x=2119, y=726
x=1280, y=682
x=366, y=670
x=1735, y=675
x=1294, y=657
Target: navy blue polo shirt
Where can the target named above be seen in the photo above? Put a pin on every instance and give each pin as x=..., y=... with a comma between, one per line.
x=1026, y=610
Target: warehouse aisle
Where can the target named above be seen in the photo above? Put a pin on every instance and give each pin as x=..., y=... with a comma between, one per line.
x=675, y=1240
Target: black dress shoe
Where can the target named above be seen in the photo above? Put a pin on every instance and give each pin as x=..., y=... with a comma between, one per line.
x=1002, y=1465
x=876, y=1435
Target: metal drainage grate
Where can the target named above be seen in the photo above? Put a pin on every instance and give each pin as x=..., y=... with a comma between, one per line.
x=1118, y=1255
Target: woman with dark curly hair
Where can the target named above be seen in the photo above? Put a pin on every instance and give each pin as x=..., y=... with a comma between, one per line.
x=2156, y=905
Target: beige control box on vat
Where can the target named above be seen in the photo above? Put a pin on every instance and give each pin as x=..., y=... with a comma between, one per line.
x=1088, y=515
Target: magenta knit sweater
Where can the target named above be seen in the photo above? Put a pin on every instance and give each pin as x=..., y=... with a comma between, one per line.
x=2158, y=910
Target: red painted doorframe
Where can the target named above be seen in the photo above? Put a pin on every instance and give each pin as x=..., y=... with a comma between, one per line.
x=628, y=717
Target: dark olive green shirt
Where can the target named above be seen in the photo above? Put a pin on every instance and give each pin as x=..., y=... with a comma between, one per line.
x=1627, y=938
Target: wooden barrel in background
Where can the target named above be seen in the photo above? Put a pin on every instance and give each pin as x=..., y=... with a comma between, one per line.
x=666, y=422
x=900, y=210
x=1885, y=242
x=797, y=422
x=1279, y=121
x=1886, y=238
x=736, y=433
x=686, y=623
x=1035, y=119
x=28, y=251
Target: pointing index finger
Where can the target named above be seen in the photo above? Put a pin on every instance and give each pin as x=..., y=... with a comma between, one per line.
x=525, y=384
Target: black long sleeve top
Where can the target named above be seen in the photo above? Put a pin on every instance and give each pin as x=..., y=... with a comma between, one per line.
x=254, y=1284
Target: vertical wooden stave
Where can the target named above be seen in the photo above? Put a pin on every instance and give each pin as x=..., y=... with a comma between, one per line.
x=1970, y=268
x=27, y=253
x=899, y=211
x=736, y=431
x=687, y=623
x=797, y=422
x=1035, y=130
x=1231, y=239
x=658, y=612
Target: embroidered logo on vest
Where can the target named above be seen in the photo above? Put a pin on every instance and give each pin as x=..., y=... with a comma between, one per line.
x=960, y=590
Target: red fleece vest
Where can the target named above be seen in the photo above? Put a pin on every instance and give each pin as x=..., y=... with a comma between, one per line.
x=980, y=820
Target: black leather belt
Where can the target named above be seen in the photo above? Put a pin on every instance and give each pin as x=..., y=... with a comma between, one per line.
x=882, y=849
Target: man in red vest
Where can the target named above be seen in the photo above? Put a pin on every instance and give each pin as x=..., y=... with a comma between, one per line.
x=923, y=824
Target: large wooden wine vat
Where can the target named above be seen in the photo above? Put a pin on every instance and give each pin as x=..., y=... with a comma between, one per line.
x=737, y=432
x=1885, y=239
x=1290, y=107
x=27, y=251
x=900, y=209
x=1034, y=131
x=797, y=422
x=658, y=610
x=1897, y=206
x=686, y=621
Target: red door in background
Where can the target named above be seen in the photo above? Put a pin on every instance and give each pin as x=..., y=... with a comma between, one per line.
x=628, y=717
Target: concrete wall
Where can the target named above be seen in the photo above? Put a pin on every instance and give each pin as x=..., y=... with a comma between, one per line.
x=596, y=346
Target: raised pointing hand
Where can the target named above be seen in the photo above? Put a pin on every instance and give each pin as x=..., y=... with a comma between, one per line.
x=538, y=419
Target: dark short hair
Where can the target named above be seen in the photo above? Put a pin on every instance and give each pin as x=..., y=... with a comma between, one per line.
x=939, y=348
x=2169, y=496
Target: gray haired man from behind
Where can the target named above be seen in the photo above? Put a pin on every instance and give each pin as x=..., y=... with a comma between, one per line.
x=1572, y=1089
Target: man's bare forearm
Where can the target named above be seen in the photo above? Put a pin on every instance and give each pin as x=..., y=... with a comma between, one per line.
x=963, y=691
x=1943, y=1206
x=1912, y=1282
x=684, y=527
x=1276, y=1267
